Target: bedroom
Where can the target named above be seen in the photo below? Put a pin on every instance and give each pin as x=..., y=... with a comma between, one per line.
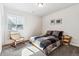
x=26, y=19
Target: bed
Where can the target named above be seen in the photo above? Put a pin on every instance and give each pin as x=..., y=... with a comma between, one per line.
x=48, y=42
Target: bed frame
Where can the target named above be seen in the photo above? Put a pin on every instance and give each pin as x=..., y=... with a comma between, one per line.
x=49, y=48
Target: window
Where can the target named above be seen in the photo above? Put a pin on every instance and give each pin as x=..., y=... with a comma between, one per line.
x=15, y=23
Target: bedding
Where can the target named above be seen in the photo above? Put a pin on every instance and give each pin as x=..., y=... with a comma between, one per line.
x=50, y=40
x=47, y=42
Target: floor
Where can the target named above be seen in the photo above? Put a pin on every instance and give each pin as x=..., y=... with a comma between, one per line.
x=66, y=51
x=11, y=51
x=61, y=51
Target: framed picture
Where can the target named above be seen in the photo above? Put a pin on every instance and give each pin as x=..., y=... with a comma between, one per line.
x=52, y=21
x=59, y=21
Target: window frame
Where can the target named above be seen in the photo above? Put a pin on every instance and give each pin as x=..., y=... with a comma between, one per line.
x=16, y=16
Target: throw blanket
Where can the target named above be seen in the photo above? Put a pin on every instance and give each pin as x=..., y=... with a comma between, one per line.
x=37, y=37
x=47, y=42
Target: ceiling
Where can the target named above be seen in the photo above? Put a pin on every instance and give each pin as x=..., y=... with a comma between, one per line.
x=32, y=8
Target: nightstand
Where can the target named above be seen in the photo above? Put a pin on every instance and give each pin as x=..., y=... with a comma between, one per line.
x=66, y=39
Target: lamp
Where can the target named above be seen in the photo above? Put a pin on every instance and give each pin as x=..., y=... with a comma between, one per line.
x=40, y=4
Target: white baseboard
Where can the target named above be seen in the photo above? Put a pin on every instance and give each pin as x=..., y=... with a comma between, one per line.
x=75, y=44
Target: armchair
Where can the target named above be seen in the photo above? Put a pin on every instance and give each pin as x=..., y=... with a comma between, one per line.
x=16, y=37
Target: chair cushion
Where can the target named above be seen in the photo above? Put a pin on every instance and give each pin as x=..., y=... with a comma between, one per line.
x=15, y=36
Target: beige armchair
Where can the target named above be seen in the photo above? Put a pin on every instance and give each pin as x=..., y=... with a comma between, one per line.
x=16, y=37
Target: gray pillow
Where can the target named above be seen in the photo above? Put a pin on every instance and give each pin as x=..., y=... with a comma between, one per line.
x=48, y=33
x=56, y=33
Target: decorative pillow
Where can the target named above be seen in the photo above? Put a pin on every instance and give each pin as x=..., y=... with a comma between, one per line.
x=49, y=33
x=57, y=33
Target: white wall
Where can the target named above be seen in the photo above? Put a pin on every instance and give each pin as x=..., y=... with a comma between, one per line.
x=1, y=8
x=70, y=22
x=32, y=24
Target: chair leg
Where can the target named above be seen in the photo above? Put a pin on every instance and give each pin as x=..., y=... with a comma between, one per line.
x=14, y=45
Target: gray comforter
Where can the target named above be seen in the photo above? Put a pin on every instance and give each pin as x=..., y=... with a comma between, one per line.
x=46, y=41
